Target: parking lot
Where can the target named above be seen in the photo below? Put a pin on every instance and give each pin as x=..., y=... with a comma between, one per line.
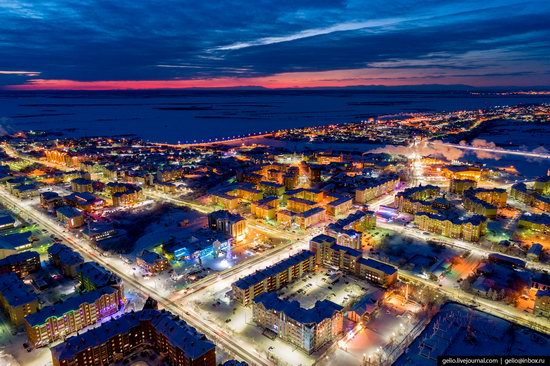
x=317, y=286
x=237, y=322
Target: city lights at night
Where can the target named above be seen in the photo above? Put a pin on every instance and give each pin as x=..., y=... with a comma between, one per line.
x=261, y=183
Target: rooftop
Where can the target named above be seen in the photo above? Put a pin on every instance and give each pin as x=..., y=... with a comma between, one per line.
x=13, y=241
x=322, y=310
x=66, y=255
x=71, y=304
x=150, y=257
x=177, y=331
x=19, y=257
x=15, y=291
x=98, y=275
x=267, y=272
x=6, y=220
x=69, y=211
x=381, y=266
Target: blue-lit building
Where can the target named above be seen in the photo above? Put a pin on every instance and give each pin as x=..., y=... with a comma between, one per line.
x=200, y=244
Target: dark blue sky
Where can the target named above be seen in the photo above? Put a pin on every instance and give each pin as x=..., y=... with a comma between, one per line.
x=85, y=44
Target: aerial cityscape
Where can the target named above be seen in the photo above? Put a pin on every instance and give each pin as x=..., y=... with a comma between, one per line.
x=274, y=183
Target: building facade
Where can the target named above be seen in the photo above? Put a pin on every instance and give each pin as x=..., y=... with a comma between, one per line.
x=309, y=329
x=60, y=320
x=274, y=277
x=161, y=331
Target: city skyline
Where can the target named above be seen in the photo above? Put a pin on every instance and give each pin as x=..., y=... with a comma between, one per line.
x=100, y=45
x=264, y=183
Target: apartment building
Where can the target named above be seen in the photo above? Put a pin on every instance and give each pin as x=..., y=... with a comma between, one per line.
x=75, y=313
x=179, y=343
x=309, y=329
x=17, y=299
x=273, y=277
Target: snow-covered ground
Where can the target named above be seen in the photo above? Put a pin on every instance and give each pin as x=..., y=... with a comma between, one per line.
x=460, y=331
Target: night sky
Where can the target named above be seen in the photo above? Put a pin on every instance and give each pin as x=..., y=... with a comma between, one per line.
x=86, y=44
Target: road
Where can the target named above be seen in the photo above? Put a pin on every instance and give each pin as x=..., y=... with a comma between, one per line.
x=490, y=307
x=176, y=301
x=217, y=141
x=454, y=243
x=178, y=201
x=210, y=330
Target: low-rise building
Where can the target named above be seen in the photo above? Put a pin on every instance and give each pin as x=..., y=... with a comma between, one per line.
x=542, y=185
x=339, y=206
x=64, y=258
x=530, y=197
x=366, y=307
x=85, y=201
x=329, y=254
x=152, y=262
x=298, y=205
x=17, y=299
x=273, y=277
x=70, y=216
x=15, y=243
x=377, y=272
x=200, y=244
x=542, y=303
x=308, y=329
x=459, y=186
x=469, y=228
x=247, y=193
x=228, y=223
x=50, y=200
x=352, y=231
x=375, y=187
x=312, y=195
x=302, y=219
x=461, y=172
x=165, y=333
x=82, y=185
x=100, y=231
x=417, y=199
x=537, y=223
x=75, y=313
x=226, y=201
x=271, y=188
x=535, y=251
x=93, y=276
x=24, y=191
x=130, y=196
x=485, y=202
x=62, y=157
x=22, y=264
x=265, y=208
x=166, y=188
x=6, y=222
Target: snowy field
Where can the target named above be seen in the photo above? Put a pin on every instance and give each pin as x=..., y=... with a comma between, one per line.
x=459, y=331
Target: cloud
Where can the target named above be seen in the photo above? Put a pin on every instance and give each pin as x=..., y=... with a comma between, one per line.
x=424, y=149
x=19, y=72
x=498, y=42
x=343, y=27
